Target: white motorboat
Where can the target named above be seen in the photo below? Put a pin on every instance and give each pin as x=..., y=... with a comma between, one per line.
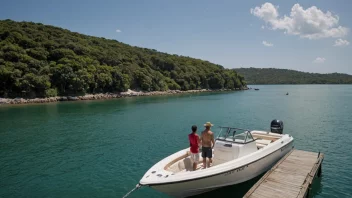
x=238, y=156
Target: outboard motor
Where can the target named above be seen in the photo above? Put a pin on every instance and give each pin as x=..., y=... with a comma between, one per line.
x=277, y=126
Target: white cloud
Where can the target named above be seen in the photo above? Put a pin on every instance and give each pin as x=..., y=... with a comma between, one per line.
x=311, y=23
x=267, y=44
x=319, y=60
x=267, y=12
x=118, y=31
x=341, y=42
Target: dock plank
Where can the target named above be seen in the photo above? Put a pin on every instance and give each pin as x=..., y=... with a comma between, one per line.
x=287, y=182
x=270, y=193
x=290, y=177
x=287, y=171
x=287, y=193
x=283, y=186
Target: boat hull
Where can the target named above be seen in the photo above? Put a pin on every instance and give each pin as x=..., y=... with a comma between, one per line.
x=230, y=177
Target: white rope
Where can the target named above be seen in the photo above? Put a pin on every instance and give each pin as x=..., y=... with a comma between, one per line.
x=135, y=188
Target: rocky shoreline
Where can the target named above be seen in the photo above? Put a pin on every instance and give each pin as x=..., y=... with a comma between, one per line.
x=101, y=96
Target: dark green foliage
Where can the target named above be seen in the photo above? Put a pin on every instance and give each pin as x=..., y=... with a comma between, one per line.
x=286, y=76
x=42, y=61
x=50, y=93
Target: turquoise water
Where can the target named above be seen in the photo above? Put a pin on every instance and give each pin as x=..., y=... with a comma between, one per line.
x=103, y=148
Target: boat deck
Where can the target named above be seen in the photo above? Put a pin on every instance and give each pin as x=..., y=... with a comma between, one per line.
x=292, y=176
x=183, y=163
x=199, y=167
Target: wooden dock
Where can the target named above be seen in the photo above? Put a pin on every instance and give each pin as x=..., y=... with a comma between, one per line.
x=292, y=176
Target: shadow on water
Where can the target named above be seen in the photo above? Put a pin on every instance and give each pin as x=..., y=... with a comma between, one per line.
x=316, y=188
x=236, y=191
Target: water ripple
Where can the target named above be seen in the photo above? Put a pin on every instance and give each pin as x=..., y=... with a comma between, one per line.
x=102, y=148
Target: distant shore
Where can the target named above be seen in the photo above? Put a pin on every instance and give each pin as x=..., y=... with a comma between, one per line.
x=104, y=96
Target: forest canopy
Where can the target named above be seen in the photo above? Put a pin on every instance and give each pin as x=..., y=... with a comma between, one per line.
x=286, y=76
x=39, y=60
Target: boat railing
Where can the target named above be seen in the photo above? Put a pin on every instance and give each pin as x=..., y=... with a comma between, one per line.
x=234, y=128
x=226, y=133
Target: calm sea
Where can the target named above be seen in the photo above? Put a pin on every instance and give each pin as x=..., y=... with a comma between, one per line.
x=103, y=148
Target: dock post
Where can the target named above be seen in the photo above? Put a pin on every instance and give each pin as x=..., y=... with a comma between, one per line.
x=319, y=170
x=308, y=190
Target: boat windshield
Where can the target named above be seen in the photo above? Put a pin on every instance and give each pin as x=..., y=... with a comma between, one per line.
x=236, y=135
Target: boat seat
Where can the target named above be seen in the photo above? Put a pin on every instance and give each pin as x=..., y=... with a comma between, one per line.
x=259, y=146
x=265, y=137
x=265, y=142
x=185, y=164
x=260, y=143
x=173, y=169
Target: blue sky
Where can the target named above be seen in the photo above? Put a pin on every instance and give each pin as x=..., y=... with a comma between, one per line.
x=314, y=36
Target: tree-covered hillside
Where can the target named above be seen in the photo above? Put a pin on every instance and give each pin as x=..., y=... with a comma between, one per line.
x=38, y=60
x=286, y=76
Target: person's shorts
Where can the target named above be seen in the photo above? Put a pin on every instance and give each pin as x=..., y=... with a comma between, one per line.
x=207, y=152
x=194, y=157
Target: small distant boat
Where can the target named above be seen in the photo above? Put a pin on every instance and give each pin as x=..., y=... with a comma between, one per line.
x=256, y=89
x=287, y=94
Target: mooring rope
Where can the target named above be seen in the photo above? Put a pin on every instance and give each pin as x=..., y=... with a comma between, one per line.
x=135, y=188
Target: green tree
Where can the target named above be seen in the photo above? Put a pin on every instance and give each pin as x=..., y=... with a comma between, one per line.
x=42, y=61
